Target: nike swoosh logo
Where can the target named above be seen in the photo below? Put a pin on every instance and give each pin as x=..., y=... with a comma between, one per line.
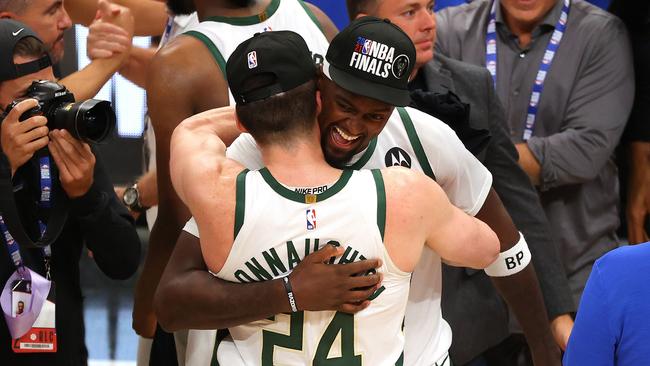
x=18, y=31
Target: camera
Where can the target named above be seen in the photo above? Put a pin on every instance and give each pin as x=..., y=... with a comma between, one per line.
x=91, y=120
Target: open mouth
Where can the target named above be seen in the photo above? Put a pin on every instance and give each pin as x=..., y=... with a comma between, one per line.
x=341, y=138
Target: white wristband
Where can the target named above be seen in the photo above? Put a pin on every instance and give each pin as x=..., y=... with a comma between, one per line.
x=511, y=261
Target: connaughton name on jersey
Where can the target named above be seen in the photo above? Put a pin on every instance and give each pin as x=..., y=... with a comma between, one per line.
x=269, y=264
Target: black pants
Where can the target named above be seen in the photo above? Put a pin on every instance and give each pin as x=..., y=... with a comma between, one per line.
x=513, y=351
x=163, y=349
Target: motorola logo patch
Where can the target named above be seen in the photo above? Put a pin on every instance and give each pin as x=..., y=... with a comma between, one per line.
x=398, y=157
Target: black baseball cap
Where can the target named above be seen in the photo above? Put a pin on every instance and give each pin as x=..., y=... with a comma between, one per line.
x=374, y=58
x=11, y=32
x=267, y=64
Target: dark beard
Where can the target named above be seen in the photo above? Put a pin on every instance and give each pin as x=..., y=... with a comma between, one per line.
x=181, y=7
x=339, y=163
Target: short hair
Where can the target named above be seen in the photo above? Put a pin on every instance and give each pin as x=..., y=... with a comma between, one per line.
x=14, y=6
x=355, y=7
x=281, y=117
x=30, y=47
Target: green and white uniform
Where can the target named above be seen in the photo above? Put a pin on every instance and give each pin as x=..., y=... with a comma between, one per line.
x=414, y=139
x=221, y=35
x=275, y=229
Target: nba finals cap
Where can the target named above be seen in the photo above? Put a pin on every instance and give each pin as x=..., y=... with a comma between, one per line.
x=268, y=64
x=374, y=58
x=11, y=32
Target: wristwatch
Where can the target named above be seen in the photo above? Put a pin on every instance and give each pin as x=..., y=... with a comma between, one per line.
x=131, y=199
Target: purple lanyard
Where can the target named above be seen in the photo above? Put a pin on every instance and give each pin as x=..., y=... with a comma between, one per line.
x=45, y=201
x=544, y=67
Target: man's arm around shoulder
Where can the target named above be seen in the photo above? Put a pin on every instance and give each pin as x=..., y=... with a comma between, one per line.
x=441, y=226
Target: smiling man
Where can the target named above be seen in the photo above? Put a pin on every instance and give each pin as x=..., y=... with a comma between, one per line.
x=271, y=216
x=440, y=86
x=360, y=129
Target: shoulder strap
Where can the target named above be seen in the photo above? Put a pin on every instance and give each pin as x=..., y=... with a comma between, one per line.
x=240, y=201
x=312, y=16
x=218, y=57
x=381, y=201
x=415, y=143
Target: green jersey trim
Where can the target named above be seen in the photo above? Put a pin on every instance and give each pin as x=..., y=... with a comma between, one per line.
x=301, y=197
x=218, y=57
x=381, y=201
x=366, y=155
x=220, y=336
x=251, y=19
x=415, y=142
x=240, y=201
x=400, y=360
x=312, y=16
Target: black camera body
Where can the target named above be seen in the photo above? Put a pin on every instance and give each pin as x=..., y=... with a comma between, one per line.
x=91, y=120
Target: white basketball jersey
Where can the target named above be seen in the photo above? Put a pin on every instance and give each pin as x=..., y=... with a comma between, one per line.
x=221, y=35
x=275, y=228
x=418, y=141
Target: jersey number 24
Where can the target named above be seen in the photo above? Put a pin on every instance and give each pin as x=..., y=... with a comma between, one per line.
x=341, y=323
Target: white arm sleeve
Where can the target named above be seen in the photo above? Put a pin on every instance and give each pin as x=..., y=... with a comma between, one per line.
x=465, y=180
x=245, y=151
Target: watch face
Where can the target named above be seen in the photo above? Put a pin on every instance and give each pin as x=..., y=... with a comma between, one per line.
x=130, y=196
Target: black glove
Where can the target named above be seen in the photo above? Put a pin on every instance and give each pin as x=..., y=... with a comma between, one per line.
x=451, y=110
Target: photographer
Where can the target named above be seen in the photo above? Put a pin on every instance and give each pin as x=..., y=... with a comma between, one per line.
x=96, y=218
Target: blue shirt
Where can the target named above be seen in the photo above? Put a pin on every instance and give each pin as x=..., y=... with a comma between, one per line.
x=613, y=322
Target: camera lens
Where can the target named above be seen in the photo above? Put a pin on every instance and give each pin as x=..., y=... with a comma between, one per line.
x=91, y=121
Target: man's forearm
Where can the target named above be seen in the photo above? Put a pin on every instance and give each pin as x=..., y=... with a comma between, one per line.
x=188, y=296
x=638, y=196
x=87, y=82
x=148, y=189
x=135, y=67
x=193, y=306
x=529, y=164
x=521, y=291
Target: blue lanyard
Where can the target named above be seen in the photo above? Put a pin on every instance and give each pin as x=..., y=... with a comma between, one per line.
x=45, y=201
x=168, y=30
x=544, y=67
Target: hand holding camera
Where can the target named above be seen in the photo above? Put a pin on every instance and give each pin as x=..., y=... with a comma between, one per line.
x=51, y=109
x=75, y=161
x=21, y=139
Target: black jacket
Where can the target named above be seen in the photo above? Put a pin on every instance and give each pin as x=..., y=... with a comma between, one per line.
x=101, y=223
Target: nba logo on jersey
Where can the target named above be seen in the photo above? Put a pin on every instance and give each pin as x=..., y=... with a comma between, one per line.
x=252, y=60
x=311, y=219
